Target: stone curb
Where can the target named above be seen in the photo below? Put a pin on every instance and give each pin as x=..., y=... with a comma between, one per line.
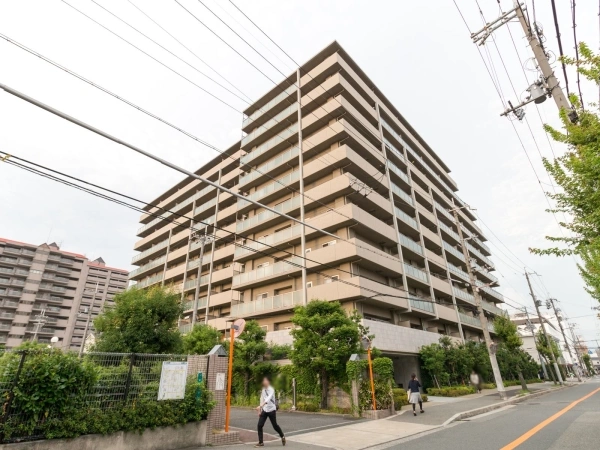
x=477, y=411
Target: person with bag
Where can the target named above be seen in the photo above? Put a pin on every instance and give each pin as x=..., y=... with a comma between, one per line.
x=414, y=394
x=268, y=409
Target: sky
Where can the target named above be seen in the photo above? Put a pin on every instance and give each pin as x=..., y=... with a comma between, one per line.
x=419, y=54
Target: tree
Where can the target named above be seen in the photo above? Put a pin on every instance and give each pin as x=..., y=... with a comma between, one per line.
x=587, y=360
x=201, y=339
x=324, y=340
x=577, y=174
x=433, y=361
x=506, y=330
x=249, y=351
x=142, y=321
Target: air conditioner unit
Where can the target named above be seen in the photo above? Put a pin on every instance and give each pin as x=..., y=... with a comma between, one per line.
x=244, y=216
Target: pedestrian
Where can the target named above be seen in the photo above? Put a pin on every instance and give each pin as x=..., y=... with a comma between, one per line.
x=475, y=381
x=414, y=394
x=267, y=409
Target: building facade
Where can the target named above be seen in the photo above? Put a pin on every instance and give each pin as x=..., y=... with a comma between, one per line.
x=46, y=292
x=327, y=147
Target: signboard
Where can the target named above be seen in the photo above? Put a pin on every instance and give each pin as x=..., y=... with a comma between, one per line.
x=172, y=380
x=220, y=382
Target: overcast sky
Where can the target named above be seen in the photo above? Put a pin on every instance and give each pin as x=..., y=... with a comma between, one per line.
x=418, y=53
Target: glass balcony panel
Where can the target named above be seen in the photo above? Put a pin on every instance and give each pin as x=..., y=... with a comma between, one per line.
x=265, y=168
x=416, y=273
x=406, y=218
x=280, y=116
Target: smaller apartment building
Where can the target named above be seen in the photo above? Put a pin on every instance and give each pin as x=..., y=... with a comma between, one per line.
x=327, y=146
x=47, y=292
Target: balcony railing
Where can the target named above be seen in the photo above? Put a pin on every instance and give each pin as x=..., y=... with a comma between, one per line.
x=449, y=230
x=265, y=168
x=444, y=211
x=458, y=271
x=189, y=284
x=149, y=281
x=480, y=255
x=263, y=216
x=6, y=270
x=416, y=273
x=412, y=245
x=281, y=183
x=492, y=308
x=150, y=265
x=451, y=249
x=485, y=273
x=278, y=99
x=9, y=304
x=166, y=214
x=281, y=116
x=6, y=315
x=470, y=320
x=391, y=147
x=14, y=293
x=406, y=218
x=398, y=171
x=463, y=295
x=204, y=206
x=151, y=250
x=8, y=259
x=403, y=195
x=422, y=304
x=272, y=239
x=270, y=270
x=268, y=145
x=283, y=301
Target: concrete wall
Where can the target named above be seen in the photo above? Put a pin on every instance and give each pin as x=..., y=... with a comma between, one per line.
x=192, y=434
x=397, y=339
x=404, y=366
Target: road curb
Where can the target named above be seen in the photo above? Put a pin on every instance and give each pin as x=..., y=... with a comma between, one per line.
x=477, y=411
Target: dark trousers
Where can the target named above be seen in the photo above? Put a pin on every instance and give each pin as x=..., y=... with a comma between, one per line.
x=261, y=423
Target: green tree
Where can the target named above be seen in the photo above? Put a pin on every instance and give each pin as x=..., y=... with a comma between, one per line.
x=433, y=360
x=250, y=348
x=506, y=330
x=324, y=340
x=587, y=360
x=201, y=339
x=142, y=321
x=577, y=174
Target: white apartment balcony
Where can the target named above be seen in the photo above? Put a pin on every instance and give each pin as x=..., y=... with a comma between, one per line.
x=417, y=274
x=442, y=286
x=453, y=251
x=447, y=313
x=448, y=232
x=272, y=126
x=146, y=267
x=459, y=272
x=267, y=273
x=272, y=146
x=490, y=307
x=407, y=223
x=483, y=259
x=402, y=195
x=269, y=168
x=411, y=245
x=480, y=271
x=422, y=306
x=150, y=251
x=470, y=320
x=463, y=295
x=265, y=112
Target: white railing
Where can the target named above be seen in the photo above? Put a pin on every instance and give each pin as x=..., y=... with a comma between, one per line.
x=271, y=269
x=454, y=251
x=275, y=186
x=406, y=218
x=398, y=171
x=470, y=320
x=265, y=168
x=148, y=281
x=268, y=145
x=416, y=272
x=422, y=304
x=409, y=243
x=272, y=239
x=267, y=106
x=279, y=117
x=149, y=251
x=464, y=295
x=287, y=301
x=150, y=265
x=283, y=207
x=403, y=195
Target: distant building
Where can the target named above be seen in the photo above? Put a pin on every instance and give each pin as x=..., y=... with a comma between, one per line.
x=47, y=292
x=552, y=328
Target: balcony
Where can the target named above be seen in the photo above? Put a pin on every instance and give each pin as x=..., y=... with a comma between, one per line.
x=468, y=319
x=280, y=267
x=490, y=307
x=406, y=218
x=480, y=256
x=449, y=231
x=157, y=262
x=411, y=244
x=416, y=273
x=394, y=150
x=401, y=194
x=150, y=251
x=422, y=304
x=270, y=188
x=264, y=242
x=7, y=315
x=288, y=300
x=148, y=281
x=398, y=172
x=49, y=298
x=57, y=268
x=481, y=271
x=269, y=166
x=6, y=270
x=264, y=216
x=204, y=206
x=55, y=278
x=280, y=118
x=463, y=295
x=50, y=287
x=453, y=251
x=268, y=106
x=457, y=271
x=42, y=330
x=444, y=212
x=265, y=147
x=13, y=293
x=8, y=304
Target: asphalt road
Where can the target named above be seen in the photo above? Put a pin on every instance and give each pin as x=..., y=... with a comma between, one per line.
x=577, y=428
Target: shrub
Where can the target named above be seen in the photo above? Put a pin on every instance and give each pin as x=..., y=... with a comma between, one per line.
x=451, y=391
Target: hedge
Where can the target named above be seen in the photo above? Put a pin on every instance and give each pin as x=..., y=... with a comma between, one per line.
x=451, y=391
x=401, y=398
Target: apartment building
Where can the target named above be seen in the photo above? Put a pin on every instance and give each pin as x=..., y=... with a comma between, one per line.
x=337, y=153
x=47, y=292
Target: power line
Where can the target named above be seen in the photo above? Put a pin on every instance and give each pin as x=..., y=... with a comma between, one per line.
x=560, y=48
x=576, y=52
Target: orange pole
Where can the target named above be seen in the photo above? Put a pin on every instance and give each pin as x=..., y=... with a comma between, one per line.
x=372, y=382
x=229, y=377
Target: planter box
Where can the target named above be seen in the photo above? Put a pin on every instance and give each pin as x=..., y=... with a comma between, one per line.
x=378, y=414
x=191, y=434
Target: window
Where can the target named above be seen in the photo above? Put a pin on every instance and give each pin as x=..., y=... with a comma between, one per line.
x=328, y=244
x=262, y=296
x=332, y=279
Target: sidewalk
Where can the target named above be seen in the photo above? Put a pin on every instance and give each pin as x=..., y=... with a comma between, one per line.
x=360, y=434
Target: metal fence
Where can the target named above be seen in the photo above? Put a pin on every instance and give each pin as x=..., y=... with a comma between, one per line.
x=118, y=380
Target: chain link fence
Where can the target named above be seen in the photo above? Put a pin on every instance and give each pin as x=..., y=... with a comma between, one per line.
x=96, y=381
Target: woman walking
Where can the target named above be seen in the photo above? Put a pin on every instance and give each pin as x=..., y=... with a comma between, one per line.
x=414, y=394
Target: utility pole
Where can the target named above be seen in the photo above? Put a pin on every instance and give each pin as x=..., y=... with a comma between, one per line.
x=562, y=330
x=532, y=329
x=548, y=84
x=203, y=239
x=484, y=323
x=40, y=320
x=576, y=345
x=537, y=308
x=87, y=322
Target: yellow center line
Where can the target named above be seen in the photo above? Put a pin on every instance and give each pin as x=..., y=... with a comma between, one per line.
x=514, y=444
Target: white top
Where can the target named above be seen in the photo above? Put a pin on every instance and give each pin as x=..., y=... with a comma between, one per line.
x=267, y=399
